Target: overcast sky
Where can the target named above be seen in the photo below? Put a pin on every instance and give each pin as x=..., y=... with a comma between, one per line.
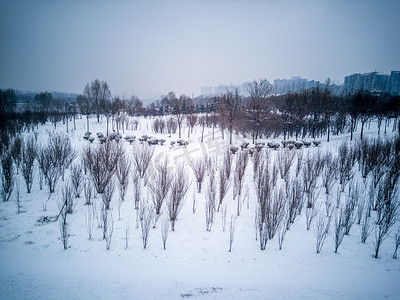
x=149, y=48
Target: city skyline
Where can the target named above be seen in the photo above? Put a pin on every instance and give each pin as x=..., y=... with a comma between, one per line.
x=151, y=48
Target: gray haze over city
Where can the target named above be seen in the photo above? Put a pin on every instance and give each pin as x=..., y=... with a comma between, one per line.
x=149, y=48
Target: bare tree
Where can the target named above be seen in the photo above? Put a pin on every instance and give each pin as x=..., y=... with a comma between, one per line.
x=137, y=188
x=366, y=228
x=165, y=231
x=77, y=179
x=68, y=199
x=159, y=186
x=89, y=192
x=199, y=168
x=179, y=187
x=396, y=243
x=210, y=202
x=49, y=166
x=241, y=164
x=89, y=221
x=122, y=172
x=230, y=104
x=29, y=150
x=285, y=161
x=127, y=229
x=102, y=162
x=321, y=230
x=295, y=196
x=339, y=228
x=387, y=213
x=64, y=224
x=282, y=232
x=18, y=197
x=142, y=156
x=109, y=231
x=227, y=162
x=329, y=174
x=232, y=227
x=108, y=194
x=16, y=151
x=145, y=223
x=311, y=213
x=259, y=91
x=224, y=184
x=7, y=176
x=98, y=93
x=349, y=211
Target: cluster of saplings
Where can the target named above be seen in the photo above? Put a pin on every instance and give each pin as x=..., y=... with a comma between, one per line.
x=332, y=190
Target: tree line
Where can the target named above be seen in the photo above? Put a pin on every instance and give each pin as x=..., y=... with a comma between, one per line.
x=309, y=113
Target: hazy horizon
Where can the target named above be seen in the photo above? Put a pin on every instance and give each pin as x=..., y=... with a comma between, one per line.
x=149, y=48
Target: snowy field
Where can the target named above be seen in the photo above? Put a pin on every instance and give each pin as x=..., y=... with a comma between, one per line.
x=196, y=263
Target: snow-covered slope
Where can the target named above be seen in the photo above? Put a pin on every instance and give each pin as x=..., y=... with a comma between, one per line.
x=196, y=263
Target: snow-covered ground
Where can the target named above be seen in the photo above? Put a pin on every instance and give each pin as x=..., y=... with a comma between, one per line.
x=196, y=263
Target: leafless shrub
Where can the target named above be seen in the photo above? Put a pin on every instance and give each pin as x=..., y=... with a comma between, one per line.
x=89, y=192
x=160, y=185
x=328, y=204
x=89, y=220
x=109, y=230
x=282, y=232
x=311, y=170
x=299, y=162
x=77, y=180
x=194, y=203
x=64, y=224
x=7, y=176
x=16, y=151
x=122, y=172
x=285, y=160
x=321, y=230
x=295, y=196
x=329, y=174
x=349, y=213
x=227, y=162
x=44, y=204
x=258, y=156
x=270, y=208
x=172, y=126
x=223, y=216
x=29, y=150
x=102, y=162
x=311, y=213
x=241, y=164
x=387, y=212
x=360, y=205
x=232, y=232
x=274, y=174
x=126, y=237
x=396, y=243
x=142, y=156
x=137, y=189
x=108, y=194
x=145, y=223
x=165, y=231
x=17, y=197
x=366, y=228
x=62, y=151
x=210, y=202
x=179, y=186
x=339, y=228
x=199, y=168
x=346, y=163
x=67, y=197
